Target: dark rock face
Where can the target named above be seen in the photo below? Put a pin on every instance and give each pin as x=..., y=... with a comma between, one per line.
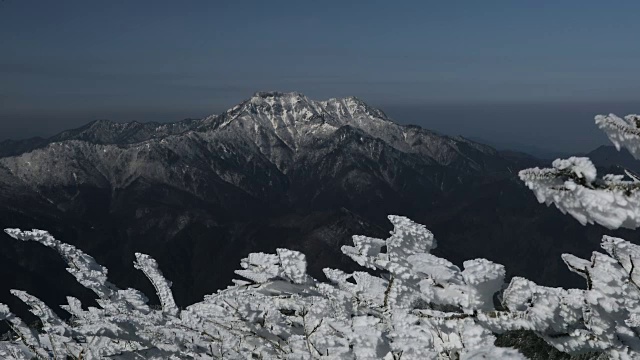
x=278, y=170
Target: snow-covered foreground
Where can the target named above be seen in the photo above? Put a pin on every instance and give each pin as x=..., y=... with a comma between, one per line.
x=419, y=307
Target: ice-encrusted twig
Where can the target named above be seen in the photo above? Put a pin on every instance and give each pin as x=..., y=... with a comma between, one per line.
x=622, y=132
x=50, y=321
x=149, y=267
x=27, y=335
x=83, y=267
x=573, y=187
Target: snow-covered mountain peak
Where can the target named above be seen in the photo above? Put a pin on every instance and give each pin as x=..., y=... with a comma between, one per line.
x=350, y=108
x=286, y=127
x=294, y=119
x=294, y=109
x=282, y=113
x=294, y=95
x=276, y=100
x=277, y=103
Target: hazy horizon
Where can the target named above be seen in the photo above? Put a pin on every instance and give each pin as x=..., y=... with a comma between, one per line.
x=528, y=127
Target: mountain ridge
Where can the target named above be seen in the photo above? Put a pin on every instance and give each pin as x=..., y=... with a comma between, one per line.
x=286, y=130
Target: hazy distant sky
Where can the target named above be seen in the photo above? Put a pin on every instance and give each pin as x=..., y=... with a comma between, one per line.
x=510, y=71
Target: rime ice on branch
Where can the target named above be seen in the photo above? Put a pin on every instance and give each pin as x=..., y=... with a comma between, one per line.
x=622, y=132
x=420, y=306
x=573, y=187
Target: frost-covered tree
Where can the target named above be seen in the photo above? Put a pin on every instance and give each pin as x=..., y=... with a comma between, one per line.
x=605, y=316
x=573, y=186
x=418, y=307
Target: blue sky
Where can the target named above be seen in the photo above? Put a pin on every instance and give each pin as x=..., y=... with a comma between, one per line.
x=64, y=63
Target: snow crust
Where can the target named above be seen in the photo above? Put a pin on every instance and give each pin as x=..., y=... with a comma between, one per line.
x=418, y=306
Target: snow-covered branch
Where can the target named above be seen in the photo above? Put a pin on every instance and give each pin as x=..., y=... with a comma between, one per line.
x=622, y=132
x=419, y=306
x=573, y=187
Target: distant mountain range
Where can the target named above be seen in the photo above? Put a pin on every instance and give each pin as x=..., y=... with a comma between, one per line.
x=608, y=159
x=538, y=152
x=277, y=170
